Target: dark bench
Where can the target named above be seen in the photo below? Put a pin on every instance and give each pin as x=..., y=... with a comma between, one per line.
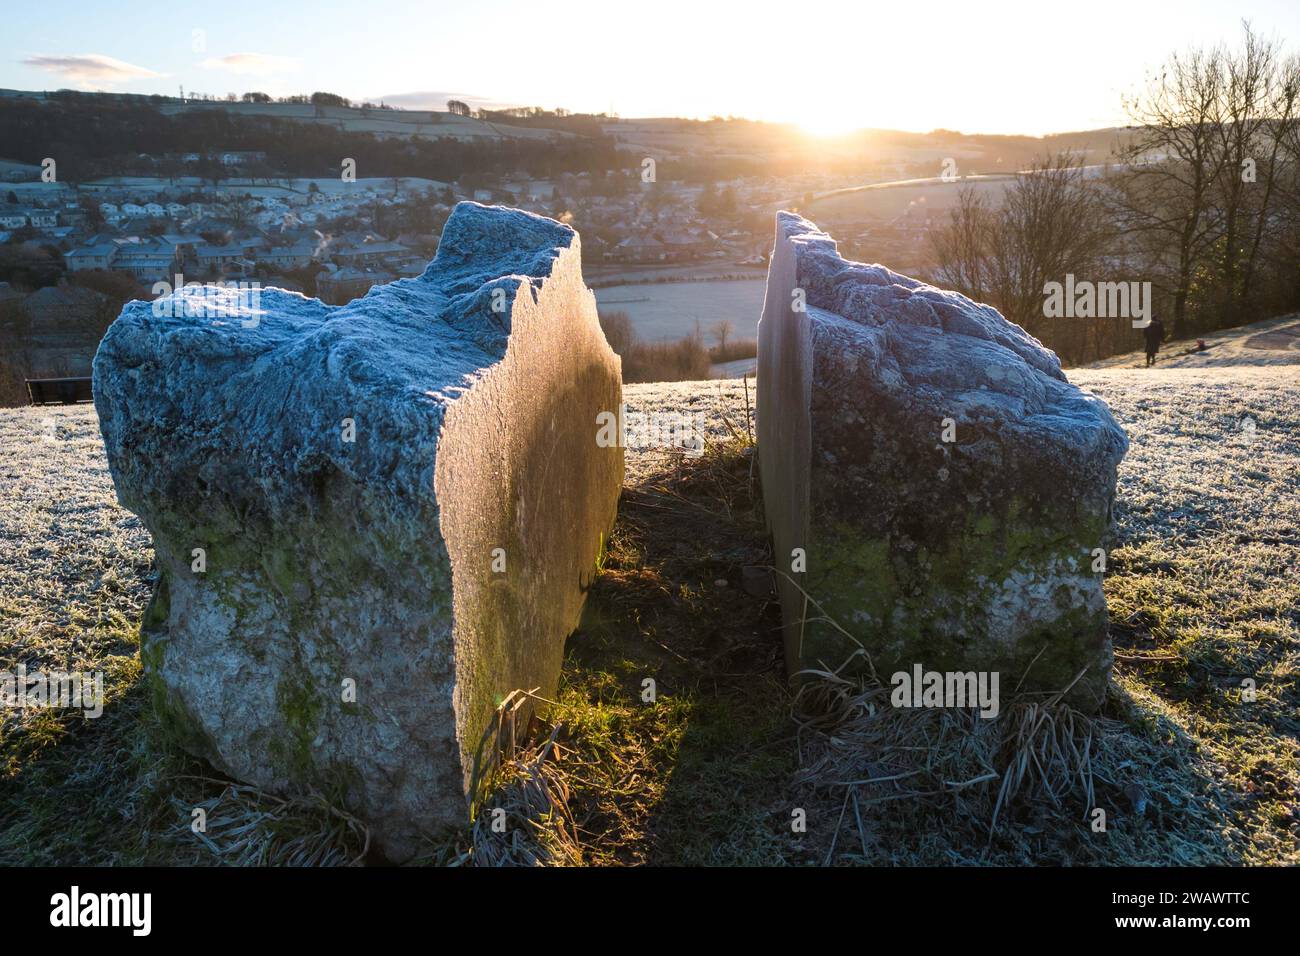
x=58, y=391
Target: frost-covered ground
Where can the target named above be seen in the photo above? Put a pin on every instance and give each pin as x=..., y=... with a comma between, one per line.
x=1273, y=342
x=712, y=410
x=1204, y=588
x=1204, y=593
x=73, y=565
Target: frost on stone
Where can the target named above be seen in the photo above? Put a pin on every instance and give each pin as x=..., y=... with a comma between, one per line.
x=949, y=487
x=398, y=503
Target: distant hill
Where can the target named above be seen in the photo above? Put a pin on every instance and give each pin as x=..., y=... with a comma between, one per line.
x=723, y=138
x=980, y=153
x=119, y=134
x=382, y=123
x=98, y=135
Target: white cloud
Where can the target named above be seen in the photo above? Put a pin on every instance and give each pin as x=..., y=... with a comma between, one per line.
x=89, y=69
x=254, y=64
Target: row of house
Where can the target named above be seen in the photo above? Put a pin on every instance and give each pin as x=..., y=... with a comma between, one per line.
x=680, y=246
x=226, y=157
x=308, y=208
x=18, y=216
x=115, y=212
x=159, y=257
x=155, y=258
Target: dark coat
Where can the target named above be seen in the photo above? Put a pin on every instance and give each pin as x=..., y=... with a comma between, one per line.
x=1155, y=334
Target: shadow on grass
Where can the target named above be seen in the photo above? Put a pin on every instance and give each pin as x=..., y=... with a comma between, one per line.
x=709, y=772
x=684, y=664
x=114, y=791
x=89, y=792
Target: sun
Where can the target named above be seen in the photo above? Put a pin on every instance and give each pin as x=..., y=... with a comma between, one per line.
x=827, y=125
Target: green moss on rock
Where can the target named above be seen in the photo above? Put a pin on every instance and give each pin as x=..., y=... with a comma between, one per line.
x=941, y=603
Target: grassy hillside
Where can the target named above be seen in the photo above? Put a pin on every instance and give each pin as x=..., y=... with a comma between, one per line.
x=1203, y=589
x=1275, y=342
x=399, y=124
x=975, y=152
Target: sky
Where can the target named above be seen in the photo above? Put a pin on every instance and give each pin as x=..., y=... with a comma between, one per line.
x=991, y=67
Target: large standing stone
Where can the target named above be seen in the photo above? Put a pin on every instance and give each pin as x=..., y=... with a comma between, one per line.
x=946, y=484
x=350, y=473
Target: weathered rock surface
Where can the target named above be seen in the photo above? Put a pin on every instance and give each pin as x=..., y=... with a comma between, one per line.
x=471, y=394
x=972, y=553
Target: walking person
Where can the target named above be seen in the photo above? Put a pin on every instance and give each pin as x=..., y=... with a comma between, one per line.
x=1155, y=334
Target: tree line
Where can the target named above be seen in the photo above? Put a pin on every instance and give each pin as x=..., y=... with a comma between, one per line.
x=93, y=137
x=1202, y=201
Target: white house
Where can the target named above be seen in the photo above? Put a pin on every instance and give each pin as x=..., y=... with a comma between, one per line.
x=146, y=263
x=295, y=256
x=91, y=256
x=225, y=260
x=240, y=157
x=532, y=189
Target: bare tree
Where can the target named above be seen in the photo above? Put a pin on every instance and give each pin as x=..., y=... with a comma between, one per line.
x=1281, y=105
x=960, y=246
x=1051, y=221
x=1171, y=165
x=1248, y=99
x=619, y=332
x=722, y=331
x=239, y=211
x=1280, y=254
x=1205, y=203
x=1205, y=195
